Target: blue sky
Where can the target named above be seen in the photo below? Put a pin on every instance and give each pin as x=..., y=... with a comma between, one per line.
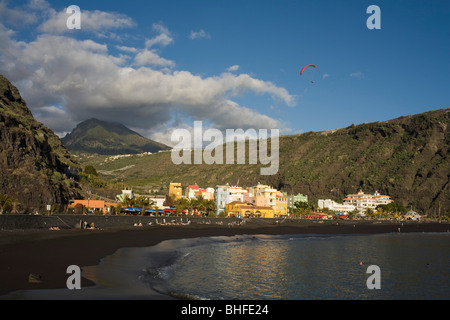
x=159, y=65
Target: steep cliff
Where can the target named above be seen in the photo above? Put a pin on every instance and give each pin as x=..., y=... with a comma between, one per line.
x=35, y=168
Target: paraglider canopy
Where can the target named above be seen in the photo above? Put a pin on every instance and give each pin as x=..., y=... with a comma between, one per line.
x=309, y=65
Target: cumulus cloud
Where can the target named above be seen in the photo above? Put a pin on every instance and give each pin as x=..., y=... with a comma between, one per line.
x=197, y=35
x=164, y=38
x=66, y=80
x=126, y=49
x=91, y=21
x=233, y=68
x=15, y=17
x=149, y=57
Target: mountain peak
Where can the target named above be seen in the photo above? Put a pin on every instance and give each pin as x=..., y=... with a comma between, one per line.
x=108, y=138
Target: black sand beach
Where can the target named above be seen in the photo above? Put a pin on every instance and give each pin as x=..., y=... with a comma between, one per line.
x=48, y=253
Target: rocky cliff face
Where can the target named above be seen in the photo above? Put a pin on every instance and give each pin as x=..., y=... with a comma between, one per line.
x=35, y=168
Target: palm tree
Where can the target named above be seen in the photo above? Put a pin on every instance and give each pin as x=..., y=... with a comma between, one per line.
x=125, y=200
x=210, y=206
x=191, y=205
x=6, y=202
x=370, y=212
x=199, y=203
x=143, y=203
x=182, y=204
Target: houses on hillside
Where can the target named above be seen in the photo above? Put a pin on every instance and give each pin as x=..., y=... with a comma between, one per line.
x=360, y=202
x=257, y=201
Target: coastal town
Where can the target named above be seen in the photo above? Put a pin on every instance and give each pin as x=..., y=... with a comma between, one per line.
x=262, y=201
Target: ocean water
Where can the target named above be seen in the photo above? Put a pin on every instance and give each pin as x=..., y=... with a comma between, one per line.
x=288, y=267
x=411, y=266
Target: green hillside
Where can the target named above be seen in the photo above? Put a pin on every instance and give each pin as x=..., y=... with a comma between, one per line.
x=406, y=158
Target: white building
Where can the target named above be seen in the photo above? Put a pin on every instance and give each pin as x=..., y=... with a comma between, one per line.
x=128, y=193
x=334, y=206
x=158, y=201
x=363, y=201
x=237, y=194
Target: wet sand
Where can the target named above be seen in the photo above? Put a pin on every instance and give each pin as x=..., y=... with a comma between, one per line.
x=48, y=253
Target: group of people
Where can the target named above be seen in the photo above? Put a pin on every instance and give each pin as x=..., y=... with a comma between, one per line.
x=86, y=225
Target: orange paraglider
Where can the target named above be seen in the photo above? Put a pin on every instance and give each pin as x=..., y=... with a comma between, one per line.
x=309, y=65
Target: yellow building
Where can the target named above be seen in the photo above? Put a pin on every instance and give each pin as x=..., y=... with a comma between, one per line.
x=175, y=191
x=237, y=208
x=281, y=204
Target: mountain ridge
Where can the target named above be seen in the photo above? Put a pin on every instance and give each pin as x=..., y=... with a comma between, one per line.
x=108, y=138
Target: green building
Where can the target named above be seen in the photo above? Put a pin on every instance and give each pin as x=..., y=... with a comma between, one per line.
x=292, y=199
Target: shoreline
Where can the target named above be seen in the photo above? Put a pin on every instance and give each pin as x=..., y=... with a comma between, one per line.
x=48, y=253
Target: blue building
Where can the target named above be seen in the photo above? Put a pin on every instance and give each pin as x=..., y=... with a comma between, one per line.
x=222, y=197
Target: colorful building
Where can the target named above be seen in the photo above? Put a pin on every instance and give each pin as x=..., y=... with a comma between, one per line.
x=101, y=205
x=222, y=197
x=175, y=191
x=264, y=195
x=237, y=194
x=244, y=210
x=194, y=191
x=281, y=204
x=292, y=199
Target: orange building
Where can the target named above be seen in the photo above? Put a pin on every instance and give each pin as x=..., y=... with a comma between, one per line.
x=281, y=204
x=175, y=191
x=94, y=204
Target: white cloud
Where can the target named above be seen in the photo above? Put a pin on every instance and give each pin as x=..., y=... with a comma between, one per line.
x=197, y=35
x=91, y=21
x=15, y=17
x=54, y=118
x=149, y=57
x=126, y=49
x=65, y=81
x=325, y=75
x=163, y=39
x=233, y=68
x=358, y=75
